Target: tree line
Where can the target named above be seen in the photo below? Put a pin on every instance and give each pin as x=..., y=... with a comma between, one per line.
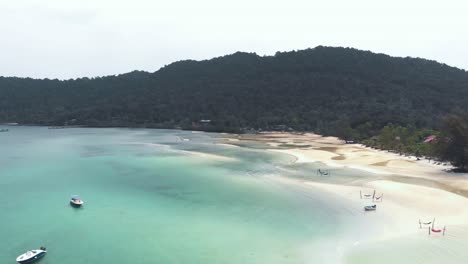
x=345, y=92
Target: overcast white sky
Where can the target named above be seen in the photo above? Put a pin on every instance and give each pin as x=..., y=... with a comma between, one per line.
x=69, y=39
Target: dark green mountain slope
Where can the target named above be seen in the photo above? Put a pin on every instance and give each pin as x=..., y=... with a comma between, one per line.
x=324, y=89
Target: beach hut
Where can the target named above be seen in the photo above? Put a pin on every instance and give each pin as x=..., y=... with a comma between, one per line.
x=430, y=139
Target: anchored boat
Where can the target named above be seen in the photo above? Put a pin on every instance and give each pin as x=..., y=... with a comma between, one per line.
x=76, y=201
x=31, y=255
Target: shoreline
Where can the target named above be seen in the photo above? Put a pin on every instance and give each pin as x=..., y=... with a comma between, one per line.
x=333, y=152
x=254, y=137
x=412, y=191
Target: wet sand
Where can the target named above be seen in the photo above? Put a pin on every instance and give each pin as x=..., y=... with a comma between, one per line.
x=413, y=190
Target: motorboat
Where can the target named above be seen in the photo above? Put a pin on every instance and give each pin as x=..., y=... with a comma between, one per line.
x=76, y=201
x=31, y=255
x=370, y=207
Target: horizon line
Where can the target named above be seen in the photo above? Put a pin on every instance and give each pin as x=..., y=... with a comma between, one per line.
x=229, y=54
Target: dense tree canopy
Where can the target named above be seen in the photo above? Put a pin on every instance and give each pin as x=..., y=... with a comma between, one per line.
x=337, y=91
x=452, y=142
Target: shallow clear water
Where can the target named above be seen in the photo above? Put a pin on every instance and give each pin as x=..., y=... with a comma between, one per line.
x=150, y=198
x=166, y=196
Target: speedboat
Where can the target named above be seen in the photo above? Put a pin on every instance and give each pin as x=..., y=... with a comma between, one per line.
x=370, y=207
x=31, y=255
x=76, y=201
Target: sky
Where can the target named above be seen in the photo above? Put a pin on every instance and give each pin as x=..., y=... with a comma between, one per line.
x=87, y=38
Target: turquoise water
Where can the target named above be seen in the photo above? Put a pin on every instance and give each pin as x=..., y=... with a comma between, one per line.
x=167, y=196
x=150, y=198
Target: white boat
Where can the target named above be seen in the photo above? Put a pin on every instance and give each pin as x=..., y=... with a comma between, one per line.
x=31, y=255
x=370, y=207
x=76, y=201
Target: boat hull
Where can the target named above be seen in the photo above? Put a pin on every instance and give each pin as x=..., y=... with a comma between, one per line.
x=370, y=208
x=76, y=205
x=33, y=259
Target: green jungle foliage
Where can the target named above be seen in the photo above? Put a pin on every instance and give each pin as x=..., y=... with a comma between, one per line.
x=452, y=143
x=357, y=95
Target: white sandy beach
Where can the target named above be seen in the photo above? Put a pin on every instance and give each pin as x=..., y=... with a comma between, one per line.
x=332, y=152
x=413, y=190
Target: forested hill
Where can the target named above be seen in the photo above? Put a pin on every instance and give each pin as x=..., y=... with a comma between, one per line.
x=326, y=90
